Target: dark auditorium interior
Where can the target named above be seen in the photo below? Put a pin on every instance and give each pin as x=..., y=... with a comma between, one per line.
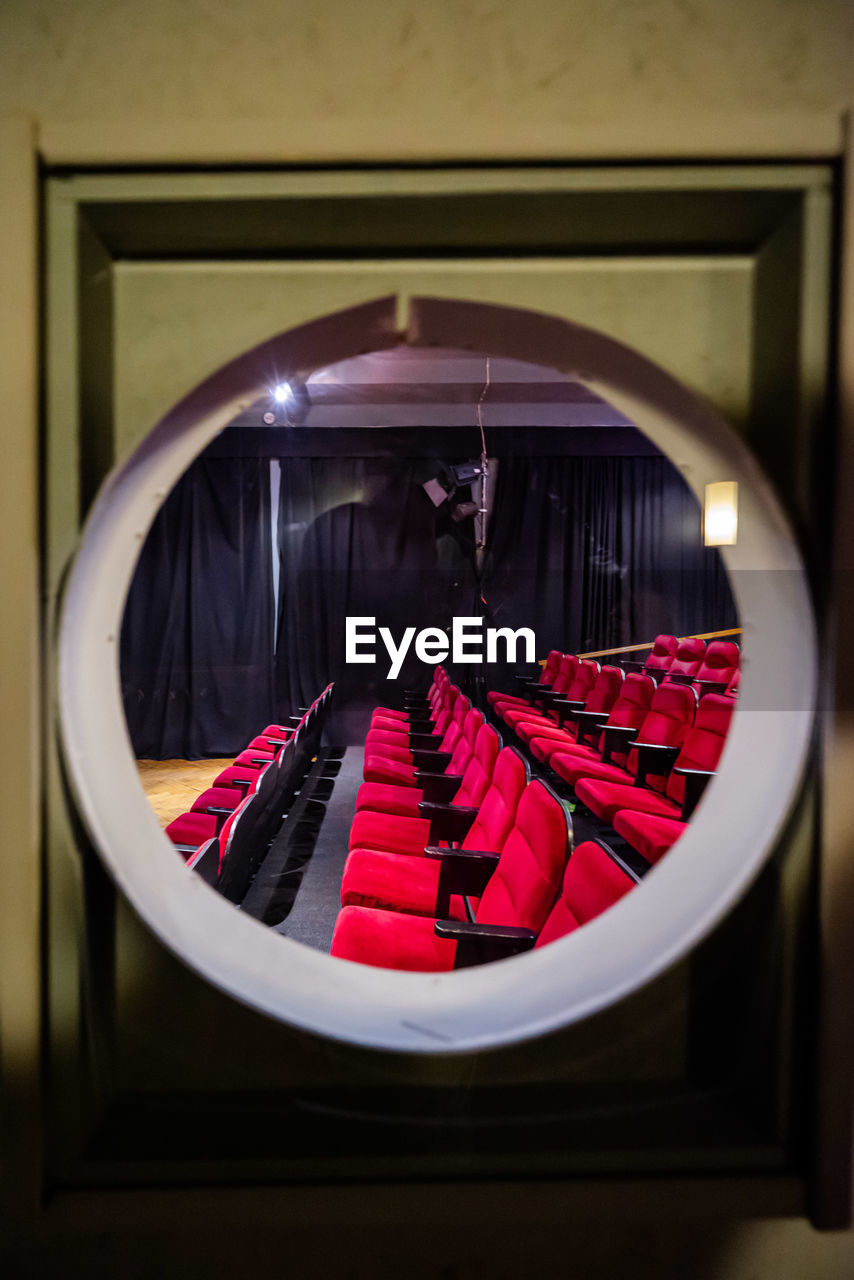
x=427, y=688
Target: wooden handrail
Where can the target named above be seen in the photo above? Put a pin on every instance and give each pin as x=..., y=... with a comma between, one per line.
x=635, y=648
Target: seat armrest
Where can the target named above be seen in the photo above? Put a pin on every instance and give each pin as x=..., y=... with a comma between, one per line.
x=220, y=813
x=529, y=677
x=631, y=664
x=654, y=758
x=566, y=708
x=588, y=723
x=450, y=822
x=243, y=784
x=431, y=761
x=618, y=737
x=463, y=872
x=260, y=760
x=420, y=726
x=188, y=848
x=277, y=742
x=711, y=686
x=696, y=781
x=425, y=741
x=438, y=787
x=481, y=943
x=680, y=677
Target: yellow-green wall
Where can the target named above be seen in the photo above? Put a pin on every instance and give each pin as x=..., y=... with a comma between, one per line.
x=263, y=80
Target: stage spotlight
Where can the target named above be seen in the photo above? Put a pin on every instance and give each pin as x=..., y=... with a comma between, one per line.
x=466, y=472
x=282, y=393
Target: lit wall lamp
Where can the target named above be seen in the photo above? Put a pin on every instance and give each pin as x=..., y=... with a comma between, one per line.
x=720, y=514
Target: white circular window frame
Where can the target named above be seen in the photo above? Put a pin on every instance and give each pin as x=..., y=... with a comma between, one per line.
x=682, y=898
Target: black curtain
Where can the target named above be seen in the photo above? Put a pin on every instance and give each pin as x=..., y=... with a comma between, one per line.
x=594, y=553
x=359, y=537
x=197, y=639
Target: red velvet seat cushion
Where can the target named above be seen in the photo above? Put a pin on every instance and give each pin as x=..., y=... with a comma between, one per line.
x=264, y=743
x=652, y=836
x=391, y=940
x=246, y=758
x=545, y=747
x=278, y=731
x=221, y=797
x=572, y=768
x=234, y=773
x=383, y=797
x=370, y=830
x=394, y=882
x=390, y=713
x=606, y=798
x=192, y=828
x=383, y=751
x=380, y=768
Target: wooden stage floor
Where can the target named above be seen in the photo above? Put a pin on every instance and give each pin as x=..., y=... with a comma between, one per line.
x=172, y=785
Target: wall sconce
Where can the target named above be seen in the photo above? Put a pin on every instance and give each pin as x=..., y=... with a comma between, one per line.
x=720, y=514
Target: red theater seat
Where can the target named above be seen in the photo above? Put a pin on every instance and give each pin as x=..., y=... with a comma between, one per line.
x=546, y=678
x=516, y=888
x=670, y=714
x=650, y=835
x=692, y=765
x=481, y=828
x=718, y=667
x=380, y=768
x=592, y=882
x=400, y=745
x=538, y=693
x=557, y=709
x=658, y=660
x=463, y=783
x=598, y=698
x=686, y=663
x=627, y=712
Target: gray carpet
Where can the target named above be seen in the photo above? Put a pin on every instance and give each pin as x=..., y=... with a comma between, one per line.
x=312, y=917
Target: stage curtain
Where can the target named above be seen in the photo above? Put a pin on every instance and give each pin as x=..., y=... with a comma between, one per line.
x=197, y=664
x=359, y=537
x=599, y=552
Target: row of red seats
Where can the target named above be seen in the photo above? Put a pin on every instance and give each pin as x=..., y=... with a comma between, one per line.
x=456, y=856
x=226, y=833
x=637, y=755
x=567, y=681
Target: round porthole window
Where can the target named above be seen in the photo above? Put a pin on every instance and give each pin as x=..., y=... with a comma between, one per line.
x=683, y=896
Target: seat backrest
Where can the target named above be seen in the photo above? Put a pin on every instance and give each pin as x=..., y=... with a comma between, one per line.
x=670, y=716
x=445, y=710
x=464, y=749
x=524, y=884
x=454, y=728
x=689, y=655
x=606, y=689
x=720, y=661
x=662, y=654
x=497, y=812
x=550, y=667
x=479, y=770
x=704, y=741
x=583, y=681
x=565, y=673
x=592, y=882
x=630, y=708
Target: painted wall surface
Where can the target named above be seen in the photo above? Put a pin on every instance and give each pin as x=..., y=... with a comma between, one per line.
x=197, y=80
x=448, y=77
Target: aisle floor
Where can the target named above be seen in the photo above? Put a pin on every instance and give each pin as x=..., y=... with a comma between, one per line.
x=312, y=917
